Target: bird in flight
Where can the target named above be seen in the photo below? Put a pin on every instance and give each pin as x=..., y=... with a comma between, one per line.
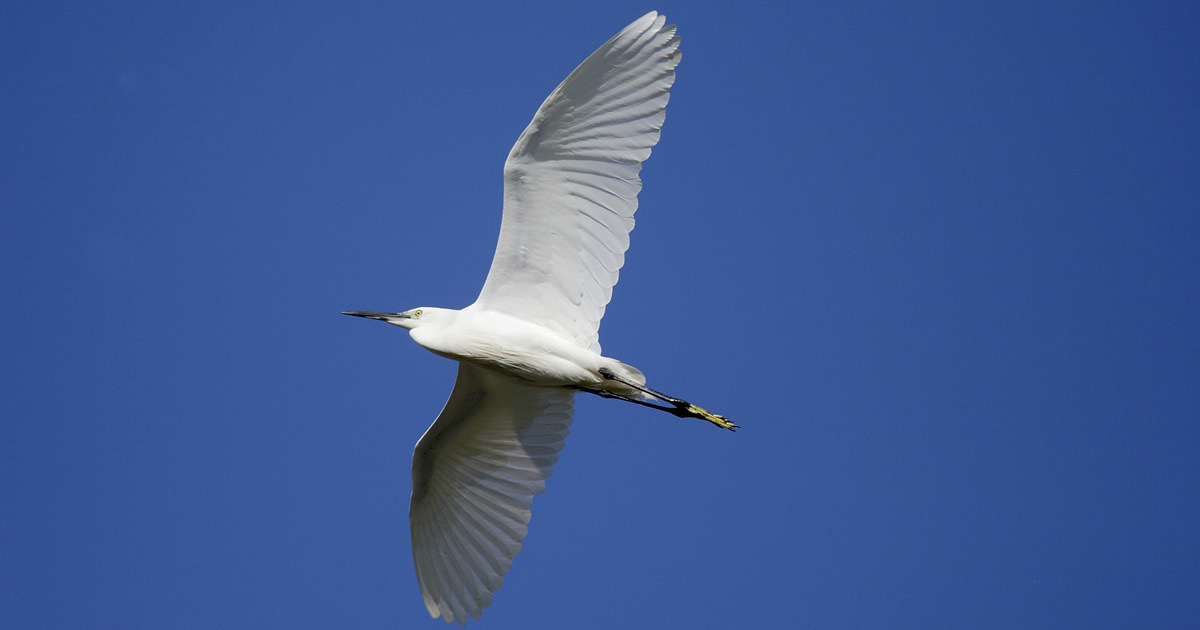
x=529, y=343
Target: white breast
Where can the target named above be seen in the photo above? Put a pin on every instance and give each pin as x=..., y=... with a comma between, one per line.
x=514, y=346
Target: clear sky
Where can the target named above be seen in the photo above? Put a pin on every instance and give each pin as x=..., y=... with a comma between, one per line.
x=940, y=260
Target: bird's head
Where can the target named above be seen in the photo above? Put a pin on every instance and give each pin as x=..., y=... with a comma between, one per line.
x=408, y=319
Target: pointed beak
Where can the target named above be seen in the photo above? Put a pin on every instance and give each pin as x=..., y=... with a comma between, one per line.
x=380, y=316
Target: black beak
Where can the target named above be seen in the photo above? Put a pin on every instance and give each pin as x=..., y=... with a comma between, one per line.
x=370, y=315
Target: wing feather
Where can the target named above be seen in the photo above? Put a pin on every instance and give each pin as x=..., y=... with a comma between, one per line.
x=571, y=183
x=475, y=473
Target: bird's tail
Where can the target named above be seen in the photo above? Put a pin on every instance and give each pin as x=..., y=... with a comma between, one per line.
x=625, y=373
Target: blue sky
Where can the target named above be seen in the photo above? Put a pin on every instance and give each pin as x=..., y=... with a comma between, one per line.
x=940, y=260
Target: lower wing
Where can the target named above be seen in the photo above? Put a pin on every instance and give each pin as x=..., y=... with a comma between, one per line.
x=475, y=473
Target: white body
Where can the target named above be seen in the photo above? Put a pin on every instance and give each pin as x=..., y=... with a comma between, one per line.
x=518, y=348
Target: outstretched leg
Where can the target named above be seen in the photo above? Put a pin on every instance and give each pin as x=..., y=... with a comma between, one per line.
x=678, y=406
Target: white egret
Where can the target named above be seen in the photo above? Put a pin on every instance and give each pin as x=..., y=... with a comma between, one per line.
x=529, y=342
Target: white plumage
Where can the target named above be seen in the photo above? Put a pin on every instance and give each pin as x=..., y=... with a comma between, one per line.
x=571, y=183
x=530, y=341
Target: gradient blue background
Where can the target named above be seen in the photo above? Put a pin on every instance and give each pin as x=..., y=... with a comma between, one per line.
x=941, y=262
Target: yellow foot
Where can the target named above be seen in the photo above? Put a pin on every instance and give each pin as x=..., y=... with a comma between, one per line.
x=720, y=421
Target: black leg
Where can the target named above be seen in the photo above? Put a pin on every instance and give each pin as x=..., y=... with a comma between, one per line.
x=637, y=401
x=679, y=407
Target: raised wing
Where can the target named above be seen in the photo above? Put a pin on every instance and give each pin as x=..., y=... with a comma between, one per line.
x=571, y=184
x=475, y=472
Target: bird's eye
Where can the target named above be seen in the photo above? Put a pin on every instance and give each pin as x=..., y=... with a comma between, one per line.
x=417, y=313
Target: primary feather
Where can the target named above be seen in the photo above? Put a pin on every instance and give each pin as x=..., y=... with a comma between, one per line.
x=571, y=183
x=475, y=472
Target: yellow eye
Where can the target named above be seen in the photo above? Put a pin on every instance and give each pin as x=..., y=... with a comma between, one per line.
x=417, y=313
